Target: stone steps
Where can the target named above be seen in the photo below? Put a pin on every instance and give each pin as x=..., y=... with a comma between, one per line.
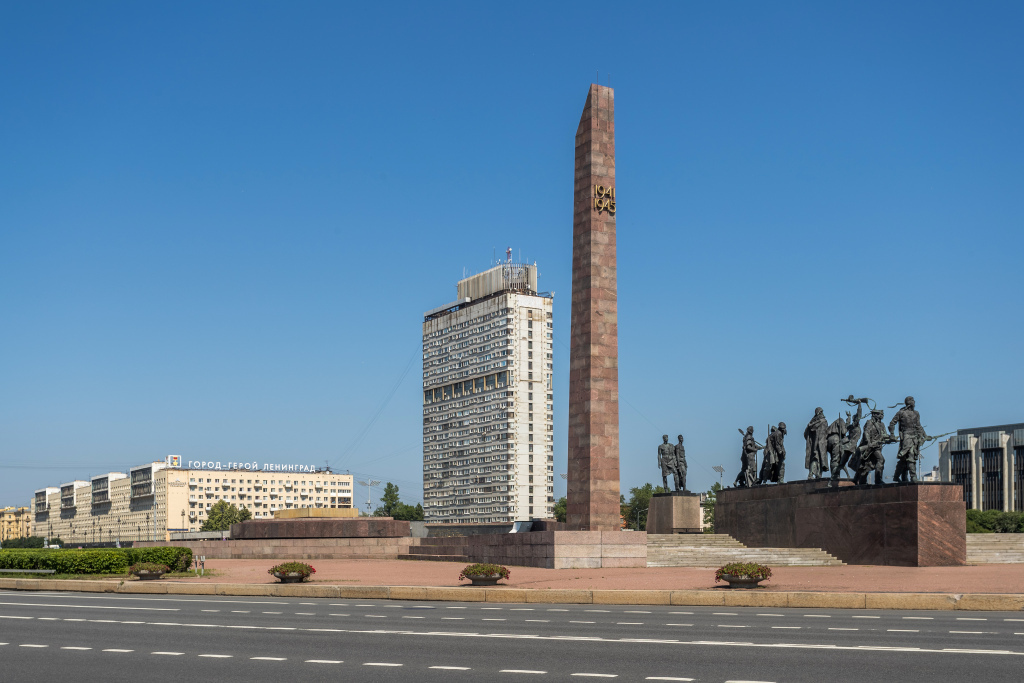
x=995, y=548
x=714, y=550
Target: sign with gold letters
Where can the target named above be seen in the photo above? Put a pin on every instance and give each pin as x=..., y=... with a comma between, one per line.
x=604, y=199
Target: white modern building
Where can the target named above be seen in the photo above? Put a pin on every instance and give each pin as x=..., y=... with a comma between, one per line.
x=175, y=496
x=488, y=431
x=989, y=463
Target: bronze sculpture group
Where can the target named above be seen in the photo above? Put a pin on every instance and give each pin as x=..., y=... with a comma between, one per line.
x=672, y=460
x=831, y=448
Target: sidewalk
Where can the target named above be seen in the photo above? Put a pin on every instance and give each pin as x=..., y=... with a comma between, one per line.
x=992, y=578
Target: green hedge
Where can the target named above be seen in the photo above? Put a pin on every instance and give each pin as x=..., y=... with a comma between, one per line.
x=994, y=521
x=100, y=561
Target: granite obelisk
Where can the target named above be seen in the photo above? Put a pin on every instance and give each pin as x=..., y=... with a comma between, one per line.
x=593, y=495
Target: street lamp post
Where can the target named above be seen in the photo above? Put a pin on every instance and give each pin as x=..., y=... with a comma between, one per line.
x=369, y=484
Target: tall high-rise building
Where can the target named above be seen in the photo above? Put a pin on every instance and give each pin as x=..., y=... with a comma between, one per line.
x=488, y=430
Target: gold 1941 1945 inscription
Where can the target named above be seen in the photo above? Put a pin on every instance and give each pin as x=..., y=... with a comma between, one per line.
x=604, y=199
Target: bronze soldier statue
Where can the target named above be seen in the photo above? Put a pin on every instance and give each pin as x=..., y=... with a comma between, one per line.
x=834, y=446
x=667, y=462
x=680, y=465
x=815, y=435
x=769, y=460
x=777, y=443
x=912, y=435
x=749, y=458
x=850, y=442
x=870, y=450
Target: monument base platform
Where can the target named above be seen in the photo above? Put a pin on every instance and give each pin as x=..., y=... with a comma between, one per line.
x=547, y=549
x=676, y=512
x=909, y=525
x=321, y=527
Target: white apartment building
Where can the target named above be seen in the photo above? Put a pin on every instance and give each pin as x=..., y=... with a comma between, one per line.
x=488, y=431
x=160, y=498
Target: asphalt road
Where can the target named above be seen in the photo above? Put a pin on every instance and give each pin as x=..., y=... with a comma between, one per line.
x=90, y=637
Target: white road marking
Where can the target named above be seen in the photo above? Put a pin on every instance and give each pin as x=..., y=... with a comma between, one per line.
x=520, y=671
x=730, y=626
x=816, y=616
x=552, y=609
x=147, y=609
x=597, y=610
x=32, y=645
x=485, y=619
x=451, y=668
x=750, y=682
x=324, y=661
x=270, y=659
x=491, y=608
x=522, y=609
x=902, y=630
x=307, y=603
x=114, y=649
x=305, y=614
x=667, y=678
x=596, y=675
x=760, y=615
x=380, y=664
x=375, y=616
x=454, y=618
x=7, y=617
x=921, y=618
x=273, y=628
x=408, y=617
x=217, y=610
x=629, y=623
x=970, y=619
x=76, y=648
x=636, y=611
x=1013, y=619
x=972, y=632
x=330, y=615
x=48, y=618
x=543, y=621
x=679, y=625
x=365, y=605
x=582, y=622
x=217, y=656
x=446, y=607
x=240, y=611
x=167, y=653
x=724, y=614
x=843, y=629
x=333, y=615
x=787, y=627
x=861, y=616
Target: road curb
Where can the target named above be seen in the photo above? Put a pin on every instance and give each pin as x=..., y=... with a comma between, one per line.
x=978, y=602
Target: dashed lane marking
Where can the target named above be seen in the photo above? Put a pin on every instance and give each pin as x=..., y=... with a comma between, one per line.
x=542, y=621
x=451, y=668
x=861, y=616
x=376, y=616
x=760, y=615
x=816, y=616
x=629, y=623
x=217, y=610
x=75, y=648
x=973, y=632
x=796, y=627
x=333, y=615
x=494, y=620
x=730, y=626
x=409, y=617
x=667, y=678
x=582, y=622
x=678, y=624
x=270, y=659
x=921, y=618
x=115, y=649
x=636, y=611
x=521, y=671
x=902, y=630
x=454, y=618
x=522, y=609
x=145, y=609
x=843, y=629
x=724, y=614
x=7, y=617
x=306, y=614
x=597, y=610
x=217, y=656
x=324, y=661
x=172, y=654
x=589, y=675
x=330, y=615
x=32, y=645
x=380, y=664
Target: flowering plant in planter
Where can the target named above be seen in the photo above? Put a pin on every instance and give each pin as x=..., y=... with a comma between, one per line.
x=286, y=568
x=148, y=568
x=743, y=570
x=485, y=571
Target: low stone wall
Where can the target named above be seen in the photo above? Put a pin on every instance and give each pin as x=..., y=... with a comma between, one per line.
x=321, y=528
x=298, y=548
x=547, y=549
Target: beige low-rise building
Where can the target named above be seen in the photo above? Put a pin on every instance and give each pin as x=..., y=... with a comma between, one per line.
x=155, y=500
x=14, y=523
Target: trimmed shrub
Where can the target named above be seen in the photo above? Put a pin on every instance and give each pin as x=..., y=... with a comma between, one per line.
x=100, y=561
x=306, y=570
x=479, y=570
x=750, y=570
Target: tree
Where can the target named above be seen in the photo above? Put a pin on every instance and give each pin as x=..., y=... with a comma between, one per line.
x=244, y=514
x=561, y=508
x=709, y=508
x=223, y=515
x=395, y=508
x=635, y=511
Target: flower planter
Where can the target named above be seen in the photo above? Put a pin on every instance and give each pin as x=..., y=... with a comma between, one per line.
x=741, y=581
x=485, y=579
x=289, y=577
x=148, y=576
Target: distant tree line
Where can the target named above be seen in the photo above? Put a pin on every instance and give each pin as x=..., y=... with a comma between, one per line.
x=395, y=508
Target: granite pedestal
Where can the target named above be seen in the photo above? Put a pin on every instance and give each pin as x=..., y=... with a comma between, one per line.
x=910, y=525
x=313, y=527
x=676, y=512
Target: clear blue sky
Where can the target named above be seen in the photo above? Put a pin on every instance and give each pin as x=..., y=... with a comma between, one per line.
x=220, y=223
